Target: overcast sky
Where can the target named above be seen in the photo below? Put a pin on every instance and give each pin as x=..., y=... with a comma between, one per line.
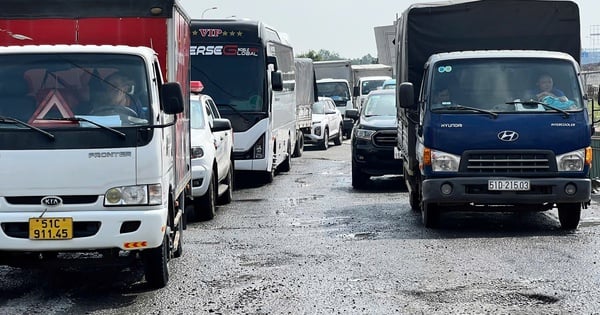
x=342, y=26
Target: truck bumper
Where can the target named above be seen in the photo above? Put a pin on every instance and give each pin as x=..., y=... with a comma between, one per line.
x=92, y=230
x=475, y=190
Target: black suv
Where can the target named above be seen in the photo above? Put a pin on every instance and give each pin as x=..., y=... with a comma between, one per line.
x=374, y=138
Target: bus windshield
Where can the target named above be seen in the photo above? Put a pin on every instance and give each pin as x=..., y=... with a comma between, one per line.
x=235, y=81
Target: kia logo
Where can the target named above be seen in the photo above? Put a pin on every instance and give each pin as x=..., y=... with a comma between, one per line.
x=508, y=135
x=52, y=201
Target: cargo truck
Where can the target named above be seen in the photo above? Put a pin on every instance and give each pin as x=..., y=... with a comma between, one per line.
x=477, y=128
x=305, y=87
x=89, y=174
x=334, y=79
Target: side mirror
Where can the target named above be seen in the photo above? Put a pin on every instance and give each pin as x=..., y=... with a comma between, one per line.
x=221, y=124
x=406, y=95
x=356, y=91
x=276, y=81
x=171, y=97
x=352, y=113
x=272, y=60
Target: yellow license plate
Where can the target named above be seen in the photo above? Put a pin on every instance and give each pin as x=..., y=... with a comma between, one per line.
x=50, y=228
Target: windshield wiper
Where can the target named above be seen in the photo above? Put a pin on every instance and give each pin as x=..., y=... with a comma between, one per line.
x=79, y=119
x=460, y=107
x=532, y=102
x=11, y=120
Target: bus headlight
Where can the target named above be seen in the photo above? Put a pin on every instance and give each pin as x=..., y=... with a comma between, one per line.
x=571, y=161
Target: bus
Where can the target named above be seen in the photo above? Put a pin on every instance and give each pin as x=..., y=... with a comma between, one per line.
x=242, y=65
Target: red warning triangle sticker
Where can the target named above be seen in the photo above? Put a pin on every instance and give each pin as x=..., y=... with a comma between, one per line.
x=53, y=99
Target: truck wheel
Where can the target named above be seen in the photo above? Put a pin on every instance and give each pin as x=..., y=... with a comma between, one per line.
x=325, y=142
x=286, y=166
x=569, y=215
x=228, y=195
x=299, y=148
x=267, y=176
x=414, y=200
x=156, y=264
x=430, y=214
x=359, y=179
x=205, y=205
x=338, y=139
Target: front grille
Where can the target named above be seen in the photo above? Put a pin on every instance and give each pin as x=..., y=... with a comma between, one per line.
x=385, y=138
x=37, y=200
x=510, y=163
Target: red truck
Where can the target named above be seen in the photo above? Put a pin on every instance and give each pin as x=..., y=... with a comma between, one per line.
x=94, y=172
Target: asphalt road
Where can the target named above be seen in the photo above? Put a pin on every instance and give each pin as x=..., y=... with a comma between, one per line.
x=310, y=244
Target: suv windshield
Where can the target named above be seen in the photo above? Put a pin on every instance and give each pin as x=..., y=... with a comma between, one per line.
x=380, y=104
x=51, y=90
x=505, y=85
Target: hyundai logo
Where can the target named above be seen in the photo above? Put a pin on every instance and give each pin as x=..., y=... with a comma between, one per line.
x=508, y=135
x=52, y=201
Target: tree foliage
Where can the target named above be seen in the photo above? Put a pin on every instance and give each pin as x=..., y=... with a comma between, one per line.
x=324, y=54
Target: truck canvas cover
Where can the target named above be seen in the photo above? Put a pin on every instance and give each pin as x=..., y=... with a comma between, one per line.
x=429, y=28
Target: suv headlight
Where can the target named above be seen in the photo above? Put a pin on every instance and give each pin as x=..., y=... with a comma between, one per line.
x=571, y=161
x=133, y=195
x=364, y=134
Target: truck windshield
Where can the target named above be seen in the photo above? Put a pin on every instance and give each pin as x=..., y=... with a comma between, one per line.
x=505, y=85
x=370, y=85
x=234, y=80
x=52, y=90
x=338, y=91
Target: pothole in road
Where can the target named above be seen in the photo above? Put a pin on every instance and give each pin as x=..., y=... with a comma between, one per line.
x=359, y=235
x=493, y=296
x=589, y=222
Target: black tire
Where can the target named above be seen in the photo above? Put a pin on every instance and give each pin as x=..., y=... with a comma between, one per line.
x=266, y=177
x=325, y=142
x=205, y=205
x=430, y=214
x=156, y=264
x=299, y=147
x=228, y=194
x=339, y=138
x=359, y=179
x=569, y=215
x=286, y=165
x=414, y=199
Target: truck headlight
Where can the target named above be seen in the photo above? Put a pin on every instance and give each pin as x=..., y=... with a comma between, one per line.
x=444, y=162
x=364, y=134
x=571, y=161
x=197, y=152
x=133, y=195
